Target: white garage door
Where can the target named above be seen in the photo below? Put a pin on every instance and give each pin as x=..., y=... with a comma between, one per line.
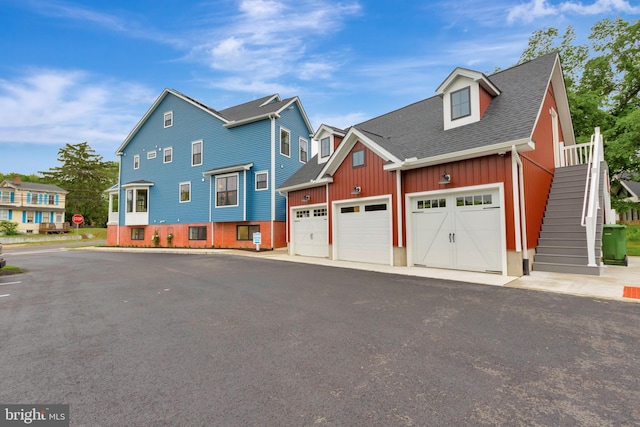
x=364, y=232
x=460, y=231
x=310, y=232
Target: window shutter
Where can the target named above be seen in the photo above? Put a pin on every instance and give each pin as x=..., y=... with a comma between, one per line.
x=28, y=197
x=57, y=195
x=11, y=212
x=24, y=217
x=12, y=197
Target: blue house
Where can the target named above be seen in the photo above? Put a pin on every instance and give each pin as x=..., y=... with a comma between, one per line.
x=192, y=176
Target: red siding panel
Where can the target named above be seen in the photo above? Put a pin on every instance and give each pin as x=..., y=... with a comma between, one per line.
x=538, y=169
x=371, y=177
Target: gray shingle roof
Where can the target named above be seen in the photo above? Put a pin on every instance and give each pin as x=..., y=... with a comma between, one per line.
x=633, y=186
x=305, y=174
x=254, y=108
x=417, y=130
x=36, y=186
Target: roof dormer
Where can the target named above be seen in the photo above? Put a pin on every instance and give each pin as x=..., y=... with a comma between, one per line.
x=327, y=138
x=465, y=94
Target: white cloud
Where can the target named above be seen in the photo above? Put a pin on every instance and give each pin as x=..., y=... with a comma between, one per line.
x=528, y=12
x=342, y=121
x=269, y=40
x=60, y=106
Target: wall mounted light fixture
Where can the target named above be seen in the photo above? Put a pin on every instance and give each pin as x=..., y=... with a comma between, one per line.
x=446, y=178
x=356, y=190
x=306, y=198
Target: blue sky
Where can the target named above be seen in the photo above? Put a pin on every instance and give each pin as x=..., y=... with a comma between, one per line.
x=74, y=71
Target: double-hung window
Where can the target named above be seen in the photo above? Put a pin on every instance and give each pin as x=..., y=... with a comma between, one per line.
x=196, y=153
x=136, y=161
x=185, y=192
x=325, y=147
x=168, y=119
x=304, y=150
x=168, y=155
x=227, y=190
x=285, y=142
x=262, y=180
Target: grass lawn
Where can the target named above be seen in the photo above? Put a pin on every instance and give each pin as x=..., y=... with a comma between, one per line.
x=633, y=240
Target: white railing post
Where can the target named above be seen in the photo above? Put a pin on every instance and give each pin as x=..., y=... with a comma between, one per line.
x=591, y=203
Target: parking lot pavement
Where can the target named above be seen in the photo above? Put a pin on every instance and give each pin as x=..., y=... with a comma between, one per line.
x=610, y=284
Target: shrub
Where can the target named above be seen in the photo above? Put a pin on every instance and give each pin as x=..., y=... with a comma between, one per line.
x=8, y=228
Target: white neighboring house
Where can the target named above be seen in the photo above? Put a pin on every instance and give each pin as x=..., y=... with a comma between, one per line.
x=36, y=208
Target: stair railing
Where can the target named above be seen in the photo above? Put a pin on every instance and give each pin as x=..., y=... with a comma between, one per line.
x=591, y=202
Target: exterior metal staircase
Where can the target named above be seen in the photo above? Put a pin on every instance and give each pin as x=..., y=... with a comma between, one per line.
x=562, y=245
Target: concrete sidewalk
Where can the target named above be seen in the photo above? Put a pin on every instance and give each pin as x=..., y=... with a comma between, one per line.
x=609, y=285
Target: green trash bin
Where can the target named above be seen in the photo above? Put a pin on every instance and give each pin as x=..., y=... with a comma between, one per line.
x=614, y=244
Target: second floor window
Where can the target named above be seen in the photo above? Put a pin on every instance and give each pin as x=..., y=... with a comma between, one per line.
x=227, y=190
x=460, y=103
x=262, y=180
x=196, y=153
x=168, y=155
x=168, y=119
x=136, y=161
x=52, y=199
x=285, y=142
x=325, y=147
x=304, y=150
x=357, y=158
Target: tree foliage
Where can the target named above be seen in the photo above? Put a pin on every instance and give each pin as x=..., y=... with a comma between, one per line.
x=85, y=176
x=602, y=78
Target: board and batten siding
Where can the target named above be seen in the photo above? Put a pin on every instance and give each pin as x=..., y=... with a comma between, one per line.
x=372, y=178
x=538, y=168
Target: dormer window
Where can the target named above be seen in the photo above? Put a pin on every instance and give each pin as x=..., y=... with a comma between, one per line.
x=325, y=147
x=460, y=103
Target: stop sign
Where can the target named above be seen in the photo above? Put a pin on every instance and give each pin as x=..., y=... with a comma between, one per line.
x=77, y=219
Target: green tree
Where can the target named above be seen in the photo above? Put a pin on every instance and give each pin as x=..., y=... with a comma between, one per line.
x=85, y=176
x=602, y=79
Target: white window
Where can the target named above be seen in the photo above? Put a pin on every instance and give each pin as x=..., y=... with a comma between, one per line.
x=58, y=217
x=168, y=119
x=137, y=200
x=185, y=192
x=262, y=180
x=196, y=153
x=304, y=150
x=136, y=161
x=325, y=147
x=30, y=217
x=151, y=155
x=227, y=190
x=285, y=142
x=4, y=214
x=168, y=155
x=461, y=103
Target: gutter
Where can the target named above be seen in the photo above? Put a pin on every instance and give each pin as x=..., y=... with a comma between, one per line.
x=413, y=163
x=310, y=184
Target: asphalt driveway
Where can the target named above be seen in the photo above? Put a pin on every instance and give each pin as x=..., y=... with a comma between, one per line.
x=187, y=340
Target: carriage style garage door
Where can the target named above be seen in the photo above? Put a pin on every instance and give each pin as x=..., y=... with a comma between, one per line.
x=310, y=232
x=363, y=231
x=458, y=230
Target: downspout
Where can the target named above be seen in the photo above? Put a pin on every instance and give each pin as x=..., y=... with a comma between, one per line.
x=523, y=213
x=273, y=177
x=399, y=206
x=120, y=199
x=211, y=210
